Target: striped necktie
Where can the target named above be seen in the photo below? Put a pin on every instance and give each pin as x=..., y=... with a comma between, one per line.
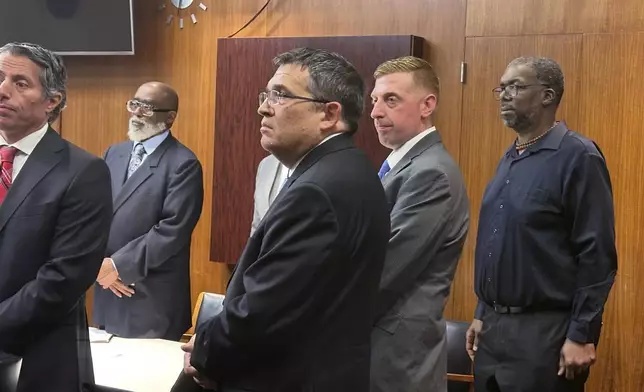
x=7, y=154
x=136, y=159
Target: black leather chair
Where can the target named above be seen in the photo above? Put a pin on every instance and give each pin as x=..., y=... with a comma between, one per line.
x=459, y=364
x=9, y=372
x=208, y=305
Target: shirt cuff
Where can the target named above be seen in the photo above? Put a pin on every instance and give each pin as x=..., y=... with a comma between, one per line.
x=480, y=310
x=579, y=332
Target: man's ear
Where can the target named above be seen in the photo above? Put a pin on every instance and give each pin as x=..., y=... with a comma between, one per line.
x=53, y=102
x=549, y=97
x=171, y=117
x=428, y=105
x=332, y=115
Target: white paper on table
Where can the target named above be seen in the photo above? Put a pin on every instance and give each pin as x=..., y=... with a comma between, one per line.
x=98, y=335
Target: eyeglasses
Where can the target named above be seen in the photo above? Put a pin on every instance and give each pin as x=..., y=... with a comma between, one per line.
x=145, y=109
x=275, y=97
x=512, y=90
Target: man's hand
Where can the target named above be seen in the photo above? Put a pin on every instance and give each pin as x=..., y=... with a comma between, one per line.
x=575, y=358
x=190, y=370
x=120, y=289
x=107, y=275
x=472, y=338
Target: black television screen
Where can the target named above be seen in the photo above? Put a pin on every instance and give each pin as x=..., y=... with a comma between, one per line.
x=70, y=27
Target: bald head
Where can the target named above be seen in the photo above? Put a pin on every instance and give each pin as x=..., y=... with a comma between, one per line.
x=161, y=95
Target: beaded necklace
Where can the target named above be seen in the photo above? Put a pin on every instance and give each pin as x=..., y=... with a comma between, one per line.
x=524, y=145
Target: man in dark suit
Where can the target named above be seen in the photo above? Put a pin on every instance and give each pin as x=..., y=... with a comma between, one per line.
x=429, y=223
x=157, y=188
x=298, y=309
x=55, y=213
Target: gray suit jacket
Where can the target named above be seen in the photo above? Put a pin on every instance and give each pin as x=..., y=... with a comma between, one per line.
x=265, y=180
x=429, y=223
x=155, y=213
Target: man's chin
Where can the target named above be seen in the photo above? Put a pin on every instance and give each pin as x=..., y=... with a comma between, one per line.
x=139, y=135
x=136, y=136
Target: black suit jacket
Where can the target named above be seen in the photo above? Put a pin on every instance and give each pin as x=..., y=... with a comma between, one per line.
x=54, y=224
x=155, y=213
x=299, y=307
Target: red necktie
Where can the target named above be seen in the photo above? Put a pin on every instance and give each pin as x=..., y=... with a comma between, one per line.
x=6, y=164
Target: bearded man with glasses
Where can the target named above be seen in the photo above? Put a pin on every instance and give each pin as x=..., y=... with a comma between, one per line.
x=143, y=287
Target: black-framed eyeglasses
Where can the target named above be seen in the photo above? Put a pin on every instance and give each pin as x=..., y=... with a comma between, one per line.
x=512, y=90
x=275, y=97
x=145, y=109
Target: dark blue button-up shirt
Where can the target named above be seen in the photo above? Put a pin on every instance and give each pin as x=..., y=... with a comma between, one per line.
x=546, y=236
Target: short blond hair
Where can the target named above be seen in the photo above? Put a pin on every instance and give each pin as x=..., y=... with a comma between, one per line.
x=423, y=72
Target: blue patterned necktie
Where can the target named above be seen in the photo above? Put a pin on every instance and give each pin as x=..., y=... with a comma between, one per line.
x=384, y=169
x=136, y=159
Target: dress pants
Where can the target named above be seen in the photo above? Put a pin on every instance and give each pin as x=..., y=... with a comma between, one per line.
x=520, y=353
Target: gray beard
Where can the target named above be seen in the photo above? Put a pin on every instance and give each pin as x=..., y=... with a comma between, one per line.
x=519, y=123
x=138, y=133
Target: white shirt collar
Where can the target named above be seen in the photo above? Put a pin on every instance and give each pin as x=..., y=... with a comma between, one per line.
x=27, y=144
x=396, y=155
x=292, y=170
x=152, y=143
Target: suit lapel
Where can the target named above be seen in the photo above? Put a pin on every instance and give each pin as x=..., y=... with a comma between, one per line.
x=42, y=160
x=145, y=171
x=119, y=168
x=420, y=147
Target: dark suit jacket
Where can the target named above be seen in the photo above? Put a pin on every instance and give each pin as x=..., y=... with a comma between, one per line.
x=54, y=224
x=429, y=224
x=155, y=213
x=299, y=307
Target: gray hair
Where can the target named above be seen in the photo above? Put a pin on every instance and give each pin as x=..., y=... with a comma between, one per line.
x=332, y=78
x=53, y=75
x=548, y=72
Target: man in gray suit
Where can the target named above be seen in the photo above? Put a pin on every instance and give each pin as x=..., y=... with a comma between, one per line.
x=271, y=175
x=429, y=223
x=157, y=188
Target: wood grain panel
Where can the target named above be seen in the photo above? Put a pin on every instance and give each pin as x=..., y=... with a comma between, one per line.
x=521, y=17
x=611, y=108
x=237, y=121
x=485, y=138
x=440, y=22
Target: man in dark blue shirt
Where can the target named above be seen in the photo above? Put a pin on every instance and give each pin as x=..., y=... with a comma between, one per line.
x=545, y=255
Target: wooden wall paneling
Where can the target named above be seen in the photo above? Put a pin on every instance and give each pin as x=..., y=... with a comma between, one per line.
x=520, y=17
x=484, y=137
x=611, y=108
x=440, y=22
x=244, y=67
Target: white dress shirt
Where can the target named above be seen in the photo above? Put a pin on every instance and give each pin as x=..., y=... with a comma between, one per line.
x=25, y=147
x=396, y=155
x=151, y=144
x=280, y=179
